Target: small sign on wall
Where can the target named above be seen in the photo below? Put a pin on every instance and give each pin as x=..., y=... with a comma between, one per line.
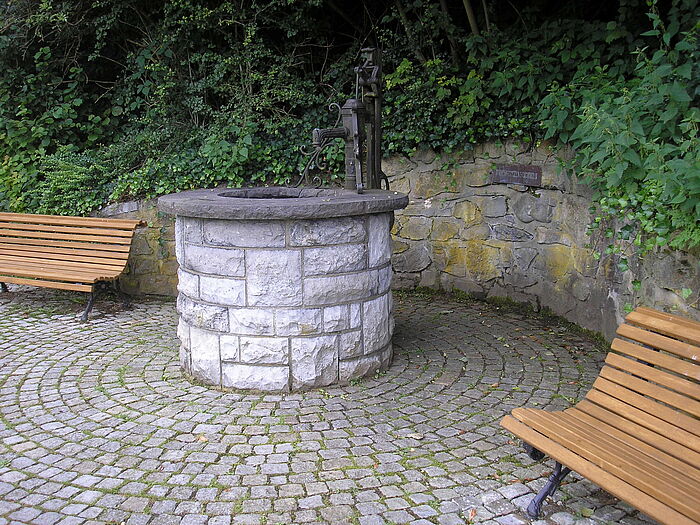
x=517, y=174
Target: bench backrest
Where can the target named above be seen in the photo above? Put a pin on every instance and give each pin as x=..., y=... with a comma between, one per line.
x=652, y=380
x=92, y=245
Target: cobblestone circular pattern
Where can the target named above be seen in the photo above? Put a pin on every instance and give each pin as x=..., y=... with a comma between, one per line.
x=98, y=425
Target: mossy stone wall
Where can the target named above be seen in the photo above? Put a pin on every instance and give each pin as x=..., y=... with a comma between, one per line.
x=461, y=232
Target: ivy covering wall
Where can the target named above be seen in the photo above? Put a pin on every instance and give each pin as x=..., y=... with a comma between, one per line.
x=107, y=100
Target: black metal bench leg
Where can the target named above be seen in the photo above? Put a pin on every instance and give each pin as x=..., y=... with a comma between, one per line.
x=88, y=308
x=535, y=506
x=3, y=288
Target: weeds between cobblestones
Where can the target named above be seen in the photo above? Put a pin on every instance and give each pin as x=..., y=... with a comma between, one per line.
x=98, y=424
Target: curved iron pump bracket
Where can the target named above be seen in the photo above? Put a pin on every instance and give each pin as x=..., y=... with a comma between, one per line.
x=361, y=130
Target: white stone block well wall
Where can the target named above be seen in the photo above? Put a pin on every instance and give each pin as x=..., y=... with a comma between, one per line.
x=280, y=305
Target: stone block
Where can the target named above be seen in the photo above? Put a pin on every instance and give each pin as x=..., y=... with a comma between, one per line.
x=255, y=377
x=314, y=361
x=244, y=234
x=336, y=318
x=180, y=240
x=252, y=321
x=375, y=324
x=274, y=277
x=473, y=175
x=444, y=229
x=468, y=212
x=506, y=232
x=140, y=245
x=298, y=321
x=205, y=362
x=340, y=230
x=229, y=346
x=384, y=276
x=143, y=265
x=202, y=315
x=490, y=205
x=350, y=344
x=218, y=290
x=183, y=333
x=355, y=315
x=265, y=350
x=184, y=357
x=399, y=246
x=362, y=366
x=192, y=230
x=431, y=183
x=188, y=284
x=335, y=259
x=415, y=259
x=379, y=242
x=416, y=228
x=478, y=232
x=523, y=257
x=339, y=288
x=228, y=262
x=528, y=208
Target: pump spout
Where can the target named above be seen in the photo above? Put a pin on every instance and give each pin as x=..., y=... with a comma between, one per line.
x=320, y=135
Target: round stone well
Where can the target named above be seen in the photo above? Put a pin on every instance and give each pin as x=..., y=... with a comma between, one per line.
x=283, y=289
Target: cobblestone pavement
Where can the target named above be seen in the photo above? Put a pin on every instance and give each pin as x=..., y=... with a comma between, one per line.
x=98, y=425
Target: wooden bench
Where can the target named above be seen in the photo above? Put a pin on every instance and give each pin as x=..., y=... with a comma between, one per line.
x=637, y=432
x=66, y=253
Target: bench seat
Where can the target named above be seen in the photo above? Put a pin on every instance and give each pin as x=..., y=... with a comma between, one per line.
x=67, y=253
x=637, y=432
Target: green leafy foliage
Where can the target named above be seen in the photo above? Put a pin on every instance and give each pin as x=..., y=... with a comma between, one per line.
x=131, y=99
x=636, y=139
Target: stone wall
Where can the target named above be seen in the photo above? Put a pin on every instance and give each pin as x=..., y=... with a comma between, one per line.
x=152, y=267
x=527, y=244
x=460, y=232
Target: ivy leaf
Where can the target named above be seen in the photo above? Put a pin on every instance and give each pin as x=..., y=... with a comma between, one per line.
x=678, y=93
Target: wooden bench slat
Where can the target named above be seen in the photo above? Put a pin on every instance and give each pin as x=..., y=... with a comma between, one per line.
x=661, y=441
x=613, y=484
x=596, y=424
x=116, y=232
x=645, y=419
x=652, y=390
x=683, y=321
x=649, y=406
x=594, y=444
x=618, y=443
x=51, y=275
x=685, y=368
x=64, y=237
x=68, y=244
x=679, y=348
x=622, y=466
x=66, y=220
x=672, y=381
x=47, y=284
x=51, y=252
x=685, y=332
x=95, y=264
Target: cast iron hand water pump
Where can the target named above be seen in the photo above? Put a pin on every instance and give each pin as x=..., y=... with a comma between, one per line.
x=361, y=130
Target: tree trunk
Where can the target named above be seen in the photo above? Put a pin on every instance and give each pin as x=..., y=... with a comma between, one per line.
x=471, y=17
x=409, y=32
x=456, y=59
